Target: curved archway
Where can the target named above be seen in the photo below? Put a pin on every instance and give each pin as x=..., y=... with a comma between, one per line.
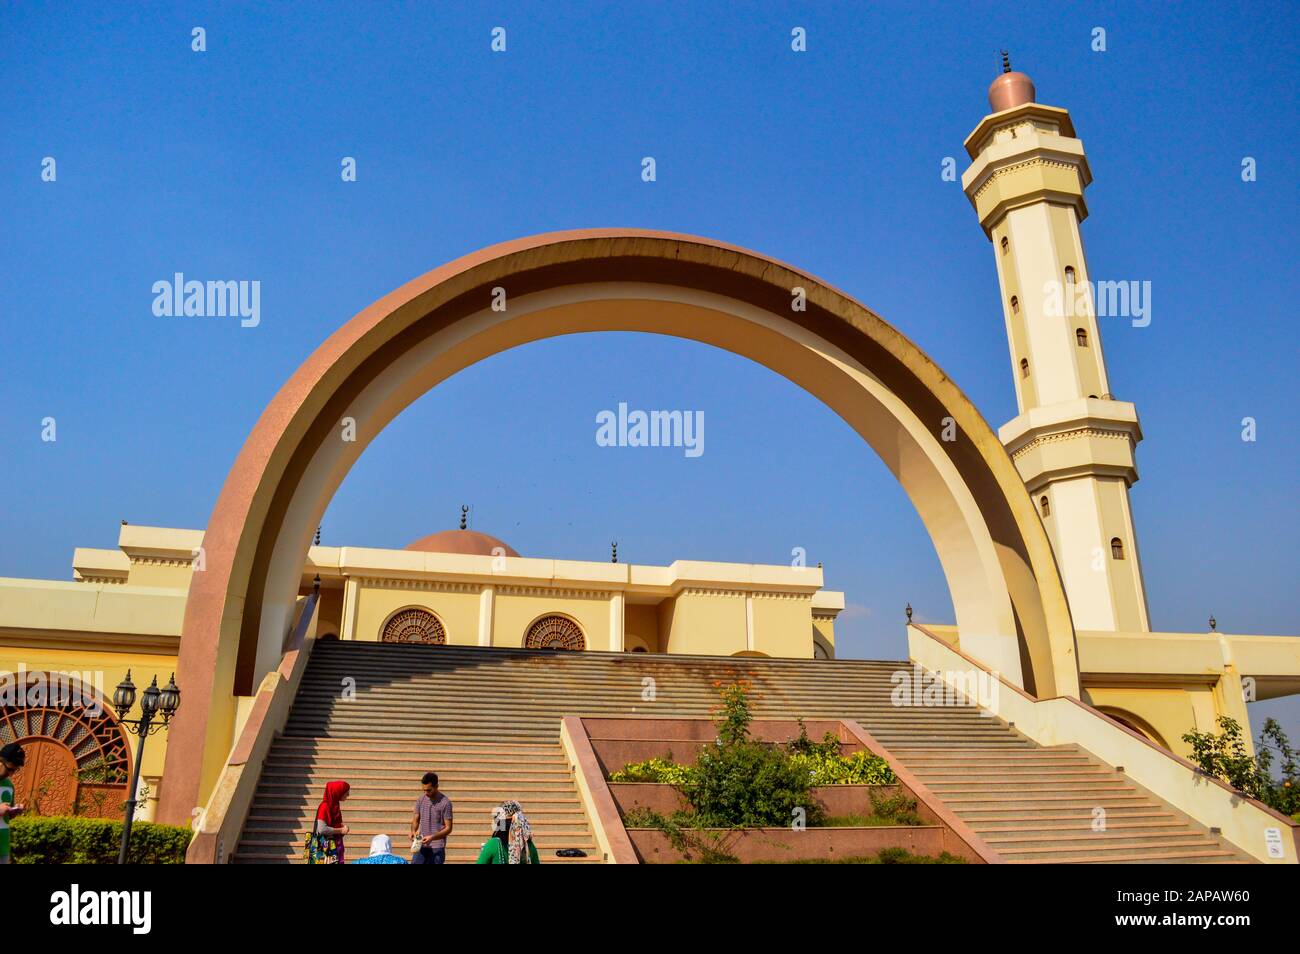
x=1007, y=595
x=1135, y=722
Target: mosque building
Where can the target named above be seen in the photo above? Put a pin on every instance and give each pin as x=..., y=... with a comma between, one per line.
x=1032, y=523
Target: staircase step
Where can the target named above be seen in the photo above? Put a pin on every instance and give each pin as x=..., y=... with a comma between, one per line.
x=488, y=719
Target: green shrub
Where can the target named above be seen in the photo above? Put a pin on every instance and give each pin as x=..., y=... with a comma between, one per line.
x=664, y=771
x=63, y=839
x=898, y=809
x=750, y=784
x=860, y=768
x=1223, y=755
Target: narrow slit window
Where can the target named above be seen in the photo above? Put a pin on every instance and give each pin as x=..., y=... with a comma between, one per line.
x=1069, y=274
x=1081, y=336
x=1015, y=305
x=1024, y=367
x=1006, y=244
x=1045, y=505
x=1117, y=548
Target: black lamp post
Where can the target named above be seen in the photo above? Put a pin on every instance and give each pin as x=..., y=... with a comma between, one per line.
x=157, y=706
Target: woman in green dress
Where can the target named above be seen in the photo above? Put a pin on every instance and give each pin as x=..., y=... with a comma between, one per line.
x=512, y=838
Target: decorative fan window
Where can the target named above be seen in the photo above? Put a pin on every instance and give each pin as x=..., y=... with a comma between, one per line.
x=415, y=626
x=554, y=632
x=78, y=757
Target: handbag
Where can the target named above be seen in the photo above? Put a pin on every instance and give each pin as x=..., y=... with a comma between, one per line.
x=319, y=849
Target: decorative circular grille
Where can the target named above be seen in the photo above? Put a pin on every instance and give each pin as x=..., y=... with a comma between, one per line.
x=554, y=632
x=78, y=757
x=415, y=626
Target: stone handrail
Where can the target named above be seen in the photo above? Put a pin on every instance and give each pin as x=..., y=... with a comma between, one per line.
x=221, y=822
x=969, y=844
x=606, y=823
x=1064, y=720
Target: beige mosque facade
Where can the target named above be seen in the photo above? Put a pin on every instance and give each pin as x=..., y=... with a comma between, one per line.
x=1032, y=524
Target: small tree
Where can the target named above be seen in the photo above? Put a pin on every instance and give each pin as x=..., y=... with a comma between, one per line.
x=1223, y=755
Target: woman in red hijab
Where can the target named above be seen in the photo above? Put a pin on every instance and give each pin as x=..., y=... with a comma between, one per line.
x=329, y=816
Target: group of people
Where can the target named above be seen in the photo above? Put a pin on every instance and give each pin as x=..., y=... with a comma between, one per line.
x=511, y=841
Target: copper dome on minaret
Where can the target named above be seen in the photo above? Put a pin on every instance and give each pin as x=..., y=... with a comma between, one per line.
x=1011, y=89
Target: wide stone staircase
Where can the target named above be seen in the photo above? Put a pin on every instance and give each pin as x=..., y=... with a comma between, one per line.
x=487, y=721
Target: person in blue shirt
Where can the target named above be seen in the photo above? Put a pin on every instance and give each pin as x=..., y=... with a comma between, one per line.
x=381, y=853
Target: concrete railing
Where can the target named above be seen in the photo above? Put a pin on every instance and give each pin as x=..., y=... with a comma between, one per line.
x=222, y=820
x=606, y=823
x=1248, y=824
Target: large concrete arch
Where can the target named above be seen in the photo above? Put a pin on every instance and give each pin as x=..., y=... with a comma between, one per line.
x=1010, y=606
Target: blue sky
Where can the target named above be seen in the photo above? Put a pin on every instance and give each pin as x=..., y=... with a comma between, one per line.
x=225, y=165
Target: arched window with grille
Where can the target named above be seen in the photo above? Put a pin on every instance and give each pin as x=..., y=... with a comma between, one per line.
x=1045, y=505
x=1081, y=337
x=414, y=625
x=1116, y=548
x=554, y=632
x=1069, y=274
x=78, y=754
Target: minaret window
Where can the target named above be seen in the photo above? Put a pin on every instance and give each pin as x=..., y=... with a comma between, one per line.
x=1045, y=506
x=1069, y=274
x=1117, y=548
x=1015, y=305
x=1024, y=367
x=1081, y=336
x=1006, y=245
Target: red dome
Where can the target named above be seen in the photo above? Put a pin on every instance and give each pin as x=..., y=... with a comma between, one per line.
x=462, y=541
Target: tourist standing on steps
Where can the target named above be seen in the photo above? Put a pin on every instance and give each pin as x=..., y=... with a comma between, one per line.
x=329, y=815
x=512, y=838
x=431, y=824
x=12, y=758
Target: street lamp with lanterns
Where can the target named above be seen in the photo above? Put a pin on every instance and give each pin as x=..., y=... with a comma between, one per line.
x=157, y=706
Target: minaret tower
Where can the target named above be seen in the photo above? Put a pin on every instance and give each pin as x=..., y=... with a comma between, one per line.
x=1072, y=442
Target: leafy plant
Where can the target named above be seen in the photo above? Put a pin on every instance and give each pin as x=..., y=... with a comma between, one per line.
x=692, y=839
x=664, y=771
x=859, y=768
x=733, y=712
x=898, y=809
x=750, y=784
x=65, y=839
x=1223, y=755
